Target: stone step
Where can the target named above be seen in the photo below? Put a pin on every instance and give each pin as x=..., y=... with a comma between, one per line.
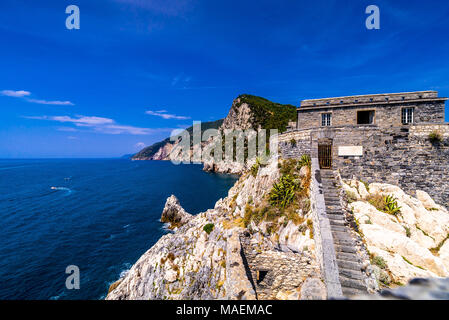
x=331, y=191
x=331, y=185
x=351, y=257
x=351, y=283
x=351, y=274
x=334, y=211
x=332, y=207
x=333, y=204
x=340, y=229
x=333, y=216
x=351, y=265
x=344, y=242
x=346, y=249
x=341, y=235
x=337, y=222
x=349, y=292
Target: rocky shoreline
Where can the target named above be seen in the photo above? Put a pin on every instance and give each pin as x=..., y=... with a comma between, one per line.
x=209, y=255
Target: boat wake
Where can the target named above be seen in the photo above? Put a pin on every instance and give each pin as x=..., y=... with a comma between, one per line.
x=68, y=190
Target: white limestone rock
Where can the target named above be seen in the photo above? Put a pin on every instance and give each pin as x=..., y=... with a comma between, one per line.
x=425, y=199
x=174, y=214
x=404, y=241
x=444, y=253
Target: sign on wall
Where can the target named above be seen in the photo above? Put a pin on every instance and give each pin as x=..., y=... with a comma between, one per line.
x=350, y=151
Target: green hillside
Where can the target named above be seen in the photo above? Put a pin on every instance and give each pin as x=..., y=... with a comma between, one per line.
x=270, y=115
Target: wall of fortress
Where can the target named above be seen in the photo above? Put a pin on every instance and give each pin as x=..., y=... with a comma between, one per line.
x=386, y=115
x=402, y=156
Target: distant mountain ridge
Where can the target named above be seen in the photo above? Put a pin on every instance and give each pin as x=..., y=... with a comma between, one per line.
x=247, y=112
x=148, y=153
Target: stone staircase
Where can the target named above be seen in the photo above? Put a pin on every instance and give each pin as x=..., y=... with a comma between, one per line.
x=348, y=261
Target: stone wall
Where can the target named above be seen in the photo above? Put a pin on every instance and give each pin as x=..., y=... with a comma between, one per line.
x=324, y=242
x=402, y=156
x=386, y=115
x=371, y=98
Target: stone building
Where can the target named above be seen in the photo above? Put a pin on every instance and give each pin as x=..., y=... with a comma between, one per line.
x=398, y=138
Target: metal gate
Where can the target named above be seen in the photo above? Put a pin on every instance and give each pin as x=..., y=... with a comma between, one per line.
x=325, y=156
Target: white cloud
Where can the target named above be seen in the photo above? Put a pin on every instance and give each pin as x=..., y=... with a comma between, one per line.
x=15, y=94
x=163, y=114
x=23, y=94
x=67, y=129
x=140, y=145
x=99, y=124
x=180, y=79
x=83, y=121
x=55, y=103
x=173, y=8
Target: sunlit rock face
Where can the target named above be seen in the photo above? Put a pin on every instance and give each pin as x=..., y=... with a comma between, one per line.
x=408, y=244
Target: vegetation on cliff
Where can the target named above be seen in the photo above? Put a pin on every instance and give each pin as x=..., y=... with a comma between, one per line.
x=264, y=114
x=268, y=114
x=288, y=198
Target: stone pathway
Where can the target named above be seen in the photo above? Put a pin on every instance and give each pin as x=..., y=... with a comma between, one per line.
x=348, y=261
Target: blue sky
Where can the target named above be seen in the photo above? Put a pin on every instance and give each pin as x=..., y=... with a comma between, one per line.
x=138, y=69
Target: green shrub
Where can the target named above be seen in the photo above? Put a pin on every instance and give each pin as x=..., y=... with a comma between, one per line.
x=377, y=201
x=391, y=205
x=255, y=168
x=288, y=167
x=379, y=261
x=208, y=228
x=310, y=226
x=283, y=192
x=386, y=204
x=293, y=142
x=435, y=136
x=302, y=228
x=351, y=196
x=305, y=160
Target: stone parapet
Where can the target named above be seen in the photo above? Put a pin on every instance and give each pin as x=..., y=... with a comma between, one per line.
x=324, y=242
x=371, y=98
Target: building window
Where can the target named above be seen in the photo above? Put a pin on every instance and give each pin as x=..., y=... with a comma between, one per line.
x=365, y=117
x=407, y=115
x=326, y=119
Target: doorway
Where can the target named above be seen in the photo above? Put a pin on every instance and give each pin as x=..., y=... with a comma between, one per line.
x=325, y=156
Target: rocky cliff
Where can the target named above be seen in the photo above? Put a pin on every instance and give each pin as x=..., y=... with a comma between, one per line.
x=162, y=150
x=246, y=112
x=243, y=248
x=406, y=236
